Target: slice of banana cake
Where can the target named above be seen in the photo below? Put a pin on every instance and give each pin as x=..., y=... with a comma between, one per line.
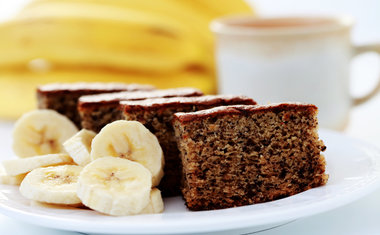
x=63, y=97
x=157, y=115
x=245, y=154
x=96, y=111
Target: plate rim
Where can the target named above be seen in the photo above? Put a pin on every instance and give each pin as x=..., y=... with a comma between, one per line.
x=211, y=224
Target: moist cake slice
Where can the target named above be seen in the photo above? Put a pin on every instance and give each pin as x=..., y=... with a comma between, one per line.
x=245, y=154
x=63, y=97
x=96, y=111
x=157, y=115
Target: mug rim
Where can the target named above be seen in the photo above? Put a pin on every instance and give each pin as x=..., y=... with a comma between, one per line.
x=229, y=25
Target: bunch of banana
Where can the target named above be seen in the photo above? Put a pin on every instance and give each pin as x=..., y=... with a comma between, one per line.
x=166, y=43
x=116, y=172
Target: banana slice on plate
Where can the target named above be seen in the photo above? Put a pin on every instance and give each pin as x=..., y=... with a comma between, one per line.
x=79, y=146
x=10, y=179
x=130, y=140
x=41, y=132
x=56, y=184
x=115, y=186
x=22, y=166
x=156, y=205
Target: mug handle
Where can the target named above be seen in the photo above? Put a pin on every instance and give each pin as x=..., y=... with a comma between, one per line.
x=363, y=49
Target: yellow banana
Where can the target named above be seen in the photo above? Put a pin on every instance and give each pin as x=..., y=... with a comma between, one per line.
x=173, y=9
x=218, y=8
x=202, y=9
x=100, y=36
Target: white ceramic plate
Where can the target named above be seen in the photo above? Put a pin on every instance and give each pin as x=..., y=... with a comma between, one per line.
x=354, y=169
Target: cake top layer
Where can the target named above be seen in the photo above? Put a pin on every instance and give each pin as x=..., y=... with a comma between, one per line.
x=138, y=95
x=243, y=110
x=180, y=101
x=95, y=86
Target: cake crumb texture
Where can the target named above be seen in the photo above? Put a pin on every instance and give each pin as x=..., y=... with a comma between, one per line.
x=245, y=154
x=157, y=116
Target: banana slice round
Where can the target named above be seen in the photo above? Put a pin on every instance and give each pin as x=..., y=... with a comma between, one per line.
x=56, y=184
x=115, y=186
x=41, y=132
x=156, y=205
x=10, y=179
x=22, y=166
x=79, y=146
x=130, y=140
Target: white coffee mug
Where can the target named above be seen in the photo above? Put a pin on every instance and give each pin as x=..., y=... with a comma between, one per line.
x=305, y=59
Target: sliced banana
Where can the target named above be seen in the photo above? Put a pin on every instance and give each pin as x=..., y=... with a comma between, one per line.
x=130, y=140
x=156, y=205
x=10, y=179
x=22, y=166
x=115, y=186
x=41, y=132
x=79, y=146
x=56, y=184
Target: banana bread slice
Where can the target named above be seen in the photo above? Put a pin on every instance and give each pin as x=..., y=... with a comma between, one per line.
x=96, y=111
x=157, y=115
x=245, y=154
x=63, y=97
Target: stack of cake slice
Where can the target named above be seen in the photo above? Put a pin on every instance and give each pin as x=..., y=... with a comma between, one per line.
x=157, y=116
x=221, y=151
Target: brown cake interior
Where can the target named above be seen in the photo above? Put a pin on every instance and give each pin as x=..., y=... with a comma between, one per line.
x=157, y=116
x=63, y=97
x=96, y=111
x=239, y=155
x=63, y=102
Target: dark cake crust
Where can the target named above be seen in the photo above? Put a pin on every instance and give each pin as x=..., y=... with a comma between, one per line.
x=245, y=154
x=63, y=97
x=157, y=116
x=206, y=101
x=106, y=98
x=93, y=86
x=244, y=110
x=96, y=111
